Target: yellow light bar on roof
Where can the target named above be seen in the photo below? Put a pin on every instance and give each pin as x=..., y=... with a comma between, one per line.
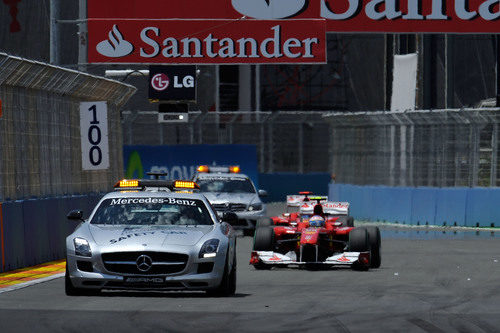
x=203, y=168
x=129, y=183
x=184, y=184
x=234, y=169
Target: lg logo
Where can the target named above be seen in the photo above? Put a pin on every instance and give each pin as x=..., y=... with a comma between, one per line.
x=270, y=9
x=160, y=82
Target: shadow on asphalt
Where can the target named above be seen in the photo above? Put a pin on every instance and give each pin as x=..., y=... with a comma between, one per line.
x=162, y=294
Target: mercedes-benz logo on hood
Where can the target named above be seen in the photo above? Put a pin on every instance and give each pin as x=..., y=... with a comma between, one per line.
x=144, y=263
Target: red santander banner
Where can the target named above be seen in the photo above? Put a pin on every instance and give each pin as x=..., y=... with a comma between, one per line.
x=203, y=41
x=405, y=16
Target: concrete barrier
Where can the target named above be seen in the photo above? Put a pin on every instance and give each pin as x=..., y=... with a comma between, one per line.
x=459, y=206
x=34, y=230
x=13, y=235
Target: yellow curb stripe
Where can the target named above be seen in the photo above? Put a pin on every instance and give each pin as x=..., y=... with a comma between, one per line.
x=31, y=273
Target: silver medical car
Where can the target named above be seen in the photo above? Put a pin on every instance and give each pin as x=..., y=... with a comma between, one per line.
x=148, y=236
x=228, y=190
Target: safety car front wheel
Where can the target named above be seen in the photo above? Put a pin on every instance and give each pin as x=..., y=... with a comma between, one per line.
x=70, y=290
x=227, y=286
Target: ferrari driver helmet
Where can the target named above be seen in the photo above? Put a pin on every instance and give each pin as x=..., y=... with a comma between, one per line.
x=316, y=221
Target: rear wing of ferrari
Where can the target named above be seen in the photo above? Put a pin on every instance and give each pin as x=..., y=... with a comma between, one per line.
x=329, y=208
x=295, y=200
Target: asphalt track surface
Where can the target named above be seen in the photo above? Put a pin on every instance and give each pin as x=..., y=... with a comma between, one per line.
x=428, y=282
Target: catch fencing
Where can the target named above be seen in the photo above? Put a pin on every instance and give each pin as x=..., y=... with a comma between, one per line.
x=437, y=148
x=286, y=141
x=40, y=145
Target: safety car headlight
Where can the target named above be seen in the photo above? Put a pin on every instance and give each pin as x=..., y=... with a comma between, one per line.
x=82, y=247
x=209, y=248
x=255, y=206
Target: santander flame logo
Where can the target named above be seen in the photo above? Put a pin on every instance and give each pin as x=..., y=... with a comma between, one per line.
x=270, y=9
x=115, y=46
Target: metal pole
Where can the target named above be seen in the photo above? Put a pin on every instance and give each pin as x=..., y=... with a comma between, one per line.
x=393, y=155
x=412, y=160
x=498, y=71
x=217, y=91
x=402, y=157
x=257, y=90
x=494, y=154
x=54, y=33
x=475, y=154
x=271, y=147
x=301, y=148
x=82, y=36
x=262, y=165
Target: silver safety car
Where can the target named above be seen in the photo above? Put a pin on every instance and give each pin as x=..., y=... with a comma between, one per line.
x=148, y=236
x=229, y=190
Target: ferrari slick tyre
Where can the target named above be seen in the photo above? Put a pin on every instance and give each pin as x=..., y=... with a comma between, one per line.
x=227, y=285
x=358, y=240
x=264, y=222
x=263, y=239
x=375, y=244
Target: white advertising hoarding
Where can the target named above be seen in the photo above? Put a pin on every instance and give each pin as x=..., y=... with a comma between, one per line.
x=94, y=135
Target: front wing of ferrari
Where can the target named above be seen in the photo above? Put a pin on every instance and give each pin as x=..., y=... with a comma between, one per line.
x=338, y=259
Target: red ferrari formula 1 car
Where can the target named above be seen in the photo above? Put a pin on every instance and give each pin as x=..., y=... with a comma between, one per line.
x=334, y=211
x=315, y=238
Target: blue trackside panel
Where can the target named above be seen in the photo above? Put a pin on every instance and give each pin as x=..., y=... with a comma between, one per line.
x=334, y=192
x=13, y=228
x=181, y=161
x=36, y=232
x=483, y=207
x=423, y=205
x=55, y=221
x=451, y=206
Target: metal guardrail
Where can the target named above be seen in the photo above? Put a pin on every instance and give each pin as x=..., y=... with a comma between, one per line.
x=40, y=149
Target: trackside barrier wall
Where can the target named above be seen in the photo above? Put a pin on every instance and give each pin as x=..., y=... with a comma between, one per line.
x=278, y=185
x=34, y=230
x=461, y=206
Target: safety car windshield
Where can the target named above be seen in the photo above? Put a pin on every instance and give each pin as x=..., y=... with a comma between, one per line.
x=226, y=185
x=152, y=211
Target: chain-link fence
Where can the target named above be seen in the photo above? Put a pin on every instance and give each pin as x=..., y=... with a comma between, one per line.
x=418, y=148
x=40, y=145
x=285, y=141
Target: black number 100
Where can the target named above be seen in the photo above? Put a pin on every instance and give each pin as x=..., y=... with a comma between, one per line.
x=94, y=136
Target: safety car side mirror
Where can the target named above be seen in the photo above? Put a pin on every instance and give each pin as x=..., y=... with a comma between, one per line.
x=75, y=215
x=262, y=193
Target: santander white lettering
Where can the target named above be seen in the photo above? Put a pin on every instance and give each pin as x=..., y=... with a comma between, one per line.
x=487, y=10
x=272, y=47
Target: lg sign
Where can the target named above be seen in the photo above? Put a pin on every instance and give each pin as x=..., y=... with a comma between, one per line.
x=181, y=86
x=161, y=82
